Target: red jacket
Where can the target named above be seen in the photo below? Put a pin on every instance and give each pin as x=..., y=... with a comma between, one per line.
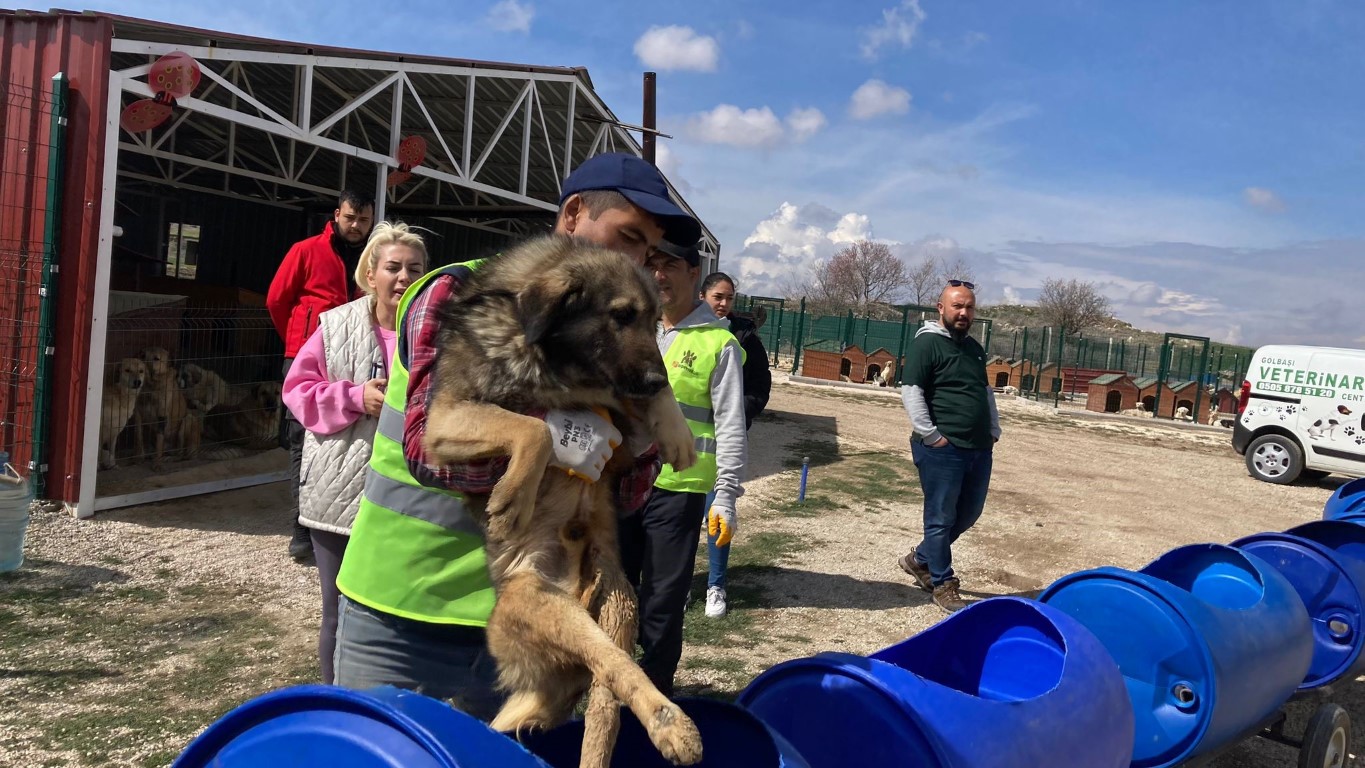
x=311, y=280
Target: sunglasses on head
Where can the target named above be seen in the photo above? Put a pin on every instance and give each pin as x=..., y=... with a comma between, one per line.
x=962, y=284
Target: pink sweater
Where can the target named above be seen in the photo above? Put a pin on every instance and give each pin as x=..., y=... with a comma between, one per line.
x=320, y=405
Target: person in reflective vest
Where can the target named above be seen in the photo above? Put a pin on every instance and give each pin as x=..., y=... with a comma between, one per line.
x=415, y=590
x=659, y=543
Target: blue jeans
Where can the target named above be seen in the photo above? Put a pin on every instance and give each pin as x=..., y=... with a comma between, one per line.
x=441, y=661
x=719, y=556
x=954, y=481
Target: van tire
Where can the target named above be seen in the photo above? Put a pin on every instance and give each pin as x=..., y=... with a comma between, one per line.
x=1274, y=459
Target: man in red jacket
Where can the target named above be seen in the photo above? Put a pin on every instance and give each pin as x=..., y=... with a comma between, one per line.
x=315, y=276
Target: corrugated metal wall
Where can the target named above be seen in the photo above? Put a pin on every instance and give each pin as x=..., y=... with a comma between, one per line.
x=33, y=48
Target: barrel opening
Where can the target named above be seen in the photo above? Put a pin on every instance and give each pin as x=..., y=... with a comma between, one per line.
x=1000, y=649
x=1218, y=575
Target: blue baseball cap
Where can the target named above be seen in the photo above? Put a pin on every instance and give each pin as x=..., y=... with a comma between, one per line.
x=640, y=183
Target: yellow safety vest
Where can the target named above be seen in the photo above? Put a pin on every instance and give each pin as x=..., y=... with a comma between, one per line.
x=414, y=551
x=691, y=361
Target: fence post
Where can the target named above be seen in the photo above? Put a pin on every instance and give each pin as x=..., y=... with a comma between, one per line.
x=48, y=292
x=777, y=337
x=800, y=337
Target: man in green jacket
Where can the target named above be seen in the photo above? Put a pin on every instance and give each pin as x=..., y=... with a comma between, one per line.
x=954, y=426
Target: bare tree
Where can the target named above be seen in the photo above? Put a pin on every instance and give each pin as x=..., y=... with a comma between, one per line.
x=955, y=269
x=1072, y=304
x=865, y=277
x=922, y=281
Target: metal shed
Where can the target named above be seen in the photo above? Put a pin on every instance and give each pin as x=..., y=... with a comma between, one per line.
x=164, y=228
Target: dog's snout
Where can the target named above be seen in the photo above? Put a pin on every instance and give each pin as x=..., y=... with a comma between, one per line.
x=655, y=381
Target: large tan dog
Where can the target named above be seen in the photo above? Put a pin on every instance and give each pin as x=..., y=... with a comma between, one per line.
x=203, y=389
x=251, y=422
x=556, y=324
x=162, y=411
x=118, y=404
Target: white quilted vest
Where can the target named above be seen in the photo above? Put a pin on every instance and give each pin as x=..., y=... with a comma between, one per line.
x=333, y=472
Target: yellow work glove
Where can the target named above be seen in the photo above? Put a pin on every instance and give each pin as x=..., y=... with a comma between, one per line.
x=721, y=524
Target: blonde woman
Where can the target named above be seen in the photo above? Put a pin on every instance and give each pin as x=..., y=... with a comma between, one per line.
x=335, y=389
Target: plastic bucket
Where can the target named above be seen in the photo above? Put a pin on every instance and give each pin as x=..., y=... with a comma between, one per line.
x=1329, y=584
x=322, y=726
x=730, y=738
x=15, y=496
x=1005, y=683
x=1212, y=641
x=1347, y=501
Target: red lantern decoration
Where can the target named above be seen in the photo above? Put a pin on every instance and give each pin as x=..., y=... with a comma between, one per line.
x=411, y=152
x=173, y=76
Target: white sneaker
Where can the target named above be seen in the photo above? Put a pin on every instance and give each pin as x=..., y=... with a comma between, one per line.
x=715, y=602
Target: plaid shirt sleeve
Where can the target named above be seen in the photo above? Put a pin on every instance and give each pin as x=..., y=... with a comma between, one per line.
x=420, y=333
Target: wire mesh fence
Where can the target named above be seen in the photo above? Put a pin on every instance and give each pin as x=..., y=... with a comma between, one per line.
x=33, y=127
x=187, y=390
x=1178, y=377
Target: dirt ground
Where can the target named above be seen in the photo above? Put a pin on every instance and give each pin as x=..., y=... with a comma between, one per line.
x=125, y=635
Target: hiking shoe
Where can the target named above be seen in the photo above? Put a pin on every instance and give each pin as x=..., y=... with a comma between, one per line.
x=716, y=607
x=301, y=544
x=920, y=573
x=947, y=598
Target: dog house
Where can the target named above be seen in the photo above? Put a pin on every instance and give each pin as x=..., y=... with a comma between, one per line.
x=1146, y=386
x=998, y=371
x=876, y=362
x=1111, y=393
x=1178, y=394
x=169, y=229
x=824, y=359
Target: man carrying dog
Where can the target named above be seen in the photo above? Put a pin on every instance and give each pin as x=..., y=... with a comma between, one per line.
x=954, y=426
x=313, y=278
x=659, y=543
x=415, y=590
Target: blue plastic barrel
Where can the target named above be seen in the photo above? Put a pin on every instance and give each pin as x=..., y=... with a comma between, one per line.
x=1211, y=640
x=1329, y=584
x=1348, y=501
x=731, y=737
x=1005, y=683
x=322, y=726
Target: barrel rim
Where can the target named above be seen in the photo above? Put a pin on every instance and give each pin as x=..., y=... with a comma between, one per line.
x=840, y=662
x=267, y=707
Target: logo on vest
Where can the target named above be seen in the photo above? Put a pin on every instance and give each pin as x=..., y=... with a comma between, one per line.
x=689, y=357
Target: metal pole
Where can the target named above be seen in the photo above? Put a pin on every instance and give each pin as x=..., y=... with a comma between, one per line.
x=805, y=470
x=648, y=119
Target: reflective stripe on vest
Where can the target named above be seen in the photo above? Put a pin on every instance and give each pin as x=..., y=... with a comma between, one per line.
x=691, y=361
x=414, y=551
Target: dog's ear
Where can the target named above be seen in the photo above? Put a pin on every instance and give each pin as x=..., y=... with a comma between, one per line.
x=544, y=304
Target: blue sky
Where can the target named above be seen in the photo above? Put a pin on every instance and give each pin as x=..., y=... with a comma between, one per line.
x=1203, y=163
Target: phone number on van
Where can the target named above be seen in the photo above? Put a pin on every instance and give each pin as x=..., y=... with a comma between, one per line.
x=1292, y=389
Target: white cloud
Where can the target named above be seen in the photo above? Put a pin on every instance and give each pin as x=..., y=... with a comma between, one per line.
x=677, y=48
x=728, y=124
x=1263, y=199
x=875, y=97
x=805, y=123
x=1012, y=296
x=898, y=27
x=511, y=16
x=671, y=165
x=786, y=246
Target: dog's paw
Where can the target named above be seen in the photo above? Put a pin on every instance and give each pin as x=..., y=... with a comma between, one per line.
x=677, y=445
x=675, y=735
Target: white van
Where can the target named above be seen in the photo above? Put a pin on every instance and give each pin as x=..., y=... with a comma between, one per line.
x=1302, y=414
